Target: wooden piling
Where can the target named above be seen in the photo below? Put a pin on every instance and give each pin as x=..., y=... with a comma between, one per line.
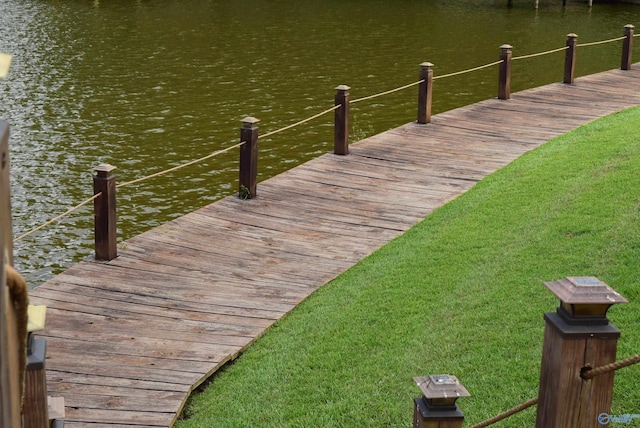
x=425, y=89
x=248, y=184
x=627, y=47
x=570, y=58
x=504, y=78
x=104, y=207
x=341, y=121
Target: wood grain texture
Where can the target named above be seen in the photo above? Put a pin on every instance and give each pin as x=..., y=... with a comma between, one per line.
x=129, y=339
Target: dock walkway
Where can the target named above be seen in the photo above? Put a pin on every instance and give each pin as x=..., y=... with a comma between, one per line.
x=129, y=339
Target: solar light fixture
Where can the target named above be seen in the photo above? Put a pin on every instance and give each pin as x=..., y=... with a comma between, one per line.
x=438, y=402
x=584, y=299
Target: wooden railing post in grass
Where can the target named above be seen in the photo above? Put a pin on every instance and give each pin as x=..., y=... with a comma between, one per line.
x=248, y=185
x=504, y=78
x=627, y=47
x=570, y=58
x=425, y=89
x=341, y=121
x=437, y=407
x=104, y=207
x=576, y=337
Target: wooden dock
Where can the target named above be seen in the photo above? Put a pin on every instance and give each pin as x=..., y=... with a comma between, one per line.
x=129, y=339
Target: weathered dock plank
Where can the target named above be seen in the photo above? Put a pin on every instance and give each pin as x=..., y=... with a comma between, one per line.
x=129, y=339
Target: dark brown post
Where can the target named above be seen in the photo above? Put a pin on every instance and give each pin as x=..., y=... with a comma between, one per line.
x=424, y=95
x=9, y=356
x=437, y=407
x=36, y=413
x=504, y=83
x=341, y=121
x=577, y=336
x=5, y=192
x=104, y=207
x=627, y=47
x=248, y=186
x=570, y=58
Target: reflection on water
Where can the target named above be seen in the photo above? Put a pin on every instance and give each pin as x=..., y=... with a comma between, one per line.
x=146, y=85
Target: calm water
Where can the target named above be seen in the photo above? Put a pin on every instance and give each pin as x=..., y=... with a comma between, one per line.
x=146, y=85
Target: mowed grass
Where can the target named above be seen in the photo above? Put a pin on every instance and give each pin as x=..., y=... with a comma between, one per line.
x=461, y=293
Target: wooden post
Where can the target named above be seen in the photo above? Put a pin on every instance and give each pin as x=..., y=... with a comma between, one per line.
x=104, y=207
x=425, y=89
x=341, y=121
x=437, y=407
x=627, y=47
x=570, y=58
x=36, y=413
x=248, y=185
x=9, y=360
x=576, y=336
x=504, y=79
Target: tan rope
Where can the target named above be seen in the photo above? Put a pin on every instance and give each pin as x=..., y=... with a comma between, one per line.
x=387, y=92
x=268, y=134
x=564, y=48
x=175, y=168
x=53, y=220
x=508, y=413
x=601, y=42
x=591, y=373
x=468, y=70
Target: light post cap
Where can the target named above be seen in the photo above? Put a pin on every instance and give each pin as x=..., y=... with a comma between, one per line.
x=426, y=64
x=441, y=390
x=104, y=169
x=506, y=47
x=584, y=297
x=342, y=88
x=248, y=121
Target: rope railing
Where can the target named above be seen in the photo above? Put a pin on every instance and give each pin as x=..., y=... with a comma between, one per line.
x=590, y=373
x=564, y=48
x=53, y=220
x=334, y=108
x=580, y=45
x=177, y=167
x=293, y=125
x=505, y=415
x=457, y=73
x=369, y=97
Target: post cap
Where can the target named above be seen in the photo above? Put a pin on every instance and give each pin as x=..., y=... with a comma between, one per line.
x=506, y=47
x=441, y=390
x=104, y=169
x=250, y=121
x=629, y=26
x=342, y=88
x=584, y=297
x=572, y=35
x=426, y=64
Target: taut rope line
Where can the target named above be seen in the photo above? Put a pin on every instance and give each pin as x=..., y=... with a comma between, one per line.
x=53, y=220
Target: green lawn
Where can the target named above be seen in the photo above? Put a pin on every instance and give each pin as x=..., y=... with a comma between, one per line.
x=461, y=293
